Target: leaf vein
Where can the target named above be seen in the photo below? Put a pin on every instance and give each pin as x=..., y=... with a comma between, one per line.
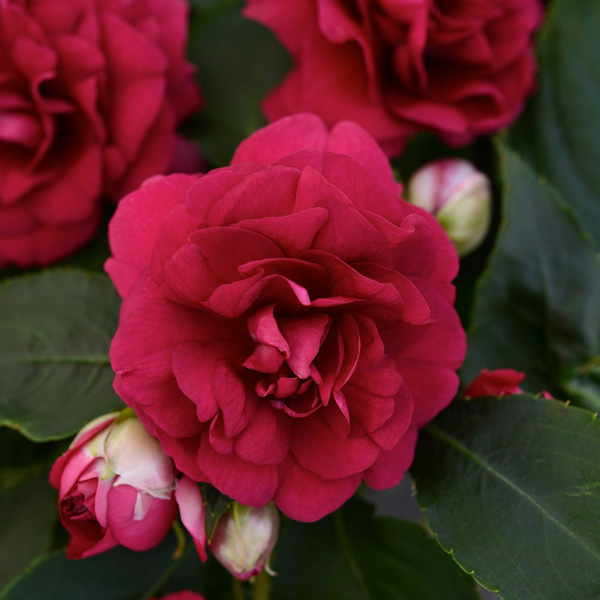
x=456, y=444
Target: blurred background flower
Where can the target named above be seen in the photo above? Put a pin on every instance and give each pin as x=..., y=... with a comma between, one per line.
x=90, y=96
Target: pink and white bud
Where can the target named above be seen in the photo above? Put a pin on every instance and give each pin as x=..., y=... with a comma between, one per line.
x=459, y=196
x=117, y=486
x=244, y=539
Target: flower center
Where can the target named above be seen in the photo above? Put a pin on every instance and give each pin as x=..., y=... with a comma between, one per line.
x=74, y=506
x=283, y=359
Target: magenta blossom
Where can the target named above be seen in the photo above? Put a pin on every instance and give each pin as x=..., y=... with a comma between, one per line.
x=91, y=92
x=287, y=322
x=460, y=68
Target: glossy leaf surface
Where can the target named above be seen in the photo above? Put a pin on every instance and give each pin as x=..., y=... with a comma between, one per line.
x=353, y=555
x=538, y=306
x=55, y=334
x=558, y=133
x=510, y=487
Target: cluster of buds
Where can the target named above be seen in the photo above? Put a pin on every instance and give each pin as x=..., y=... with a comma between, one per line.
x=118, y=487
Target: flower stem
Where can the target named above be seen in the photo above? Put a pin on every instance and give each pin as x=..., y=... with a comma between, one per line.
x=238, y=589
x=180, y=540
x=262, y=586
x=155, y=589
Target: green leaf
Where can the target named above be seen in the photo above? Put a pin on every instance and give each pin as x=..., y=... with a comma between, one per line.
x=511, y=487
x=353, y=555
x=27, y=501
x=216, y=505
x=238, y=62
x=27, y=514
x=20, y=458
x=55, y=334
x=538, y=307
x=558, y=133
x=118, y=574
x=210, y=579
x=584, y=385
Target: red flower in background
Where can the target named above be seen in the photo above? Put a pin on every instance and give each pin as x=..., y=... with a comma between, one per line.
x=460, y=68
x=185, y=595
x=287, y=323
x=499, y=382
x=90, y=94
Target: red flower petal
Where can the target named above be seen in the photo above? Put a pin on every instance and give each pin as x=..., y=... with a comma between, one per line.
x=318, y=496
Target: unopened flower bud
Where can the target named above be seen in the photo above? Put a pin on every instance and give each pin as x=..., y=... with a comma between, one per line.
x=244, y=539
x=459, y=196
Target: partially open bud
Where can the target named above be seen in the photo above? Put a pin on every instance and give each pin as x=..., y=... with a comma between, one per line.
x=244, y=539
x=459, y=196
x=117, y=486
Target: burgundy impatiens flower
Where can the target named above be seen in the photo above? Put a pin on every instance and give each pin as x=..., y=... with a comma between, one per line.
x=287, y=322
x=90, y=94
x=460, y=68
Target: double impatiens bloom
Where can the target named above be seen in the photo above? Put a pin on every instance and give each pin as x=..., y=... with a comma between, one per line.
x=460, y=68
x=286, y=328
x=90, y=95
x=287, y=322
